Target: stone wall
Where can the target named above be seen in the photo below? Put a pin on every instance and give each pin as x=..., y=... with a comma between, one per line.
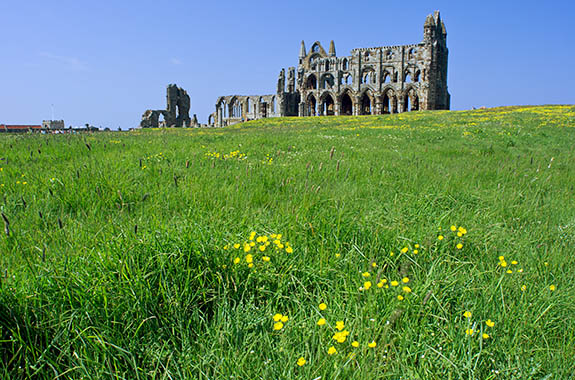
x=176, y=114
x=371, y=81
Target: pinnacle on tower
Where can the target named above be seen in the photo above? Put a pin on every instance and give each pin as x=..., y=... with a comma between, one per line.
x=302, y=49
x=332, y=49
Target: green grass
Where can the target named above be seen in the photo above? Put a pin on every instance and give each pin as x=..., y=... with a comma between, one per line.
x=119, y=261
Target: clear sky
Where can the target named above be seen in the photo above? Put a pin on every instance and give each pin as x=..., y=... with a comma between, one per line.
x=106, y=62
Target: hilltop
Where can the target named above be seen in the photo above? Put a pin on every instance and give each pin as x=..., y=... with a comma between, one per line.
x=439, y=242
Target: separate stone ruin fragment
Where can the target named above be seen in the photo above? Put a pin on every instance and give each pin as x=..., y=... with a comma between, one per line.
x=177, y=113
x=371, y=81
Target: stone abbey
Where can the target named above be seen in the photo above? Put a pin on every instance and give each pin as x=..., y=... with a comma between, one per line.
x=371, y=81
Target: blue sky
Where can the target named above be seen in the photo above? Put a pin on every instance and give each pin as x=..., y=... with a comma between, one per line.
x=106, y=62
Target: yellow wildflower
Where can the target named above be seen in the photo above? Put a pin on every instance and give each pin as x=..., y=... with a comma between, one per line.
x=415, y=251
x=490, y=323
x=404, y=250
x=367, y=285
x=453, y=228
x=394, y=283
x=416, y=246
x=339, y=325
x=400, y=297
x=321, y=322
x=552, y=287
x=459, y=246
x=301, y=362
x=355, y=344
x=278, y=326
x=485, y=336
x=262, y=248
x=266, y=258
x=249, y=258
x=372, y=344
x=331, y=350
x=509, y=271
x=407, y=289
x=467, y=314
x=252, y=235
x=366, y=274
x=322, y=306
x=503, y=263
x=374, y=264
x=250, y=265
x=405, y=280
x=289, y=249
x=277, y=317
x=523, y=288
x=501, y=258
x=247, y=247
x=469, y=332
x=514, y=262
x=440, y=237
x=284, y=318
x=237, y=260
x=459, y=234
x=236, y=246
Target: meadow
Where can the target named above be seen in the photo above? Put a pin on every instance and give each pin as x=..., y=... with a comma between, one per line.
x=425, y=245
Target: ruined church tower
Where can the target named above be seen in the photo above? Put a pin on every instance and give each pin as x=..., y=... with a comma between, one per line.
x=370, y=81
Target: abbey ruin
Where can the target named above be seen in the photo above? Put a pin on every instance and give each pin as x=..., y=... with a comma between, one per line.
x=371, y=81
x=176, y=114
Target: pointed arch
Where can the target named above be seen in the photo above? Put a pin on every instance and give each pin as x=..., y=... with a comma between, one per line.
x=311, y=105
x=389, y=103
x=327, y=104
x=366, y=103
x=346, y=103
x=311, y=82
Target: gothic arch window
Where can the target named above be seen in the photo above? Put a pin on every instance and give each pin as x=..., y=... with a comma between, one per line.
x=315, y=48
x=344, y=65
x=346, y=105
x=326, y=65
x=395, y=77
x=386, y=77
x=365, y=104
x=411, y=53
x=416, y=76
x=311, y=106
x=348, y=79
x=311, y=83
x=327, y=81
x=406, y=76
x=368, y=77
x=389, y=55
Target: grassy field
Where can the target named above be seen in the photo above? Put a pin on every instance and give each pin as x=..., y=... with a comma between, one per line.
x=441, y=245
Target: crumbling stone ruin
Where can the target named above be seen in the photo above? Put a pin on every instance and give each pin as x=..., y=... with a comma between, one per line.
x=177, y=113
x=371, y=81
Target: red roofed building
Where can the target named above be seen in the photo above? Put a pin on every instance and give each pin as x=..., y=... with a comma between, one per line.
x=20, y=128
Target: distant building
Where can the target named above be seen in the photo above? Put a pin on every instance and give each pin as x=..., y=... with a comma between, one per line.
x=53, y=124
x=370, y=81
x=20, y=128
